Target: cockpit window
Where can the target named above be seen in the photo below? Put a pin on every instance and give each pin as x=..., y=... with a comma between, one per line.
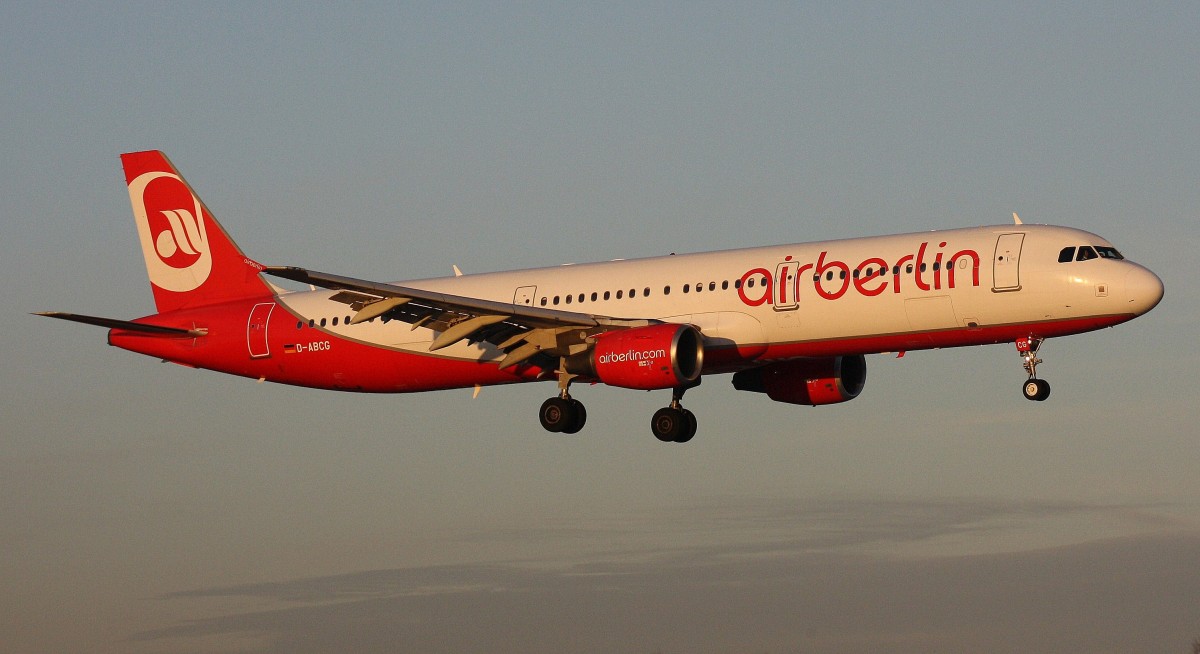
x=1067, y=255
x=1108, y=252
x=1085, y=253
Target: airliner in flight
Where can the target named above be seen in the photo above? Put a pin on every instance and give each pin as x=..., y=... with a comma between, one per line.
x=791, y=321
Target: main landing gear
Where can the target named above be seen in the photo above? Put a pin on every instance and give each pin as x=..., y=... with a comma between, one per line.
x=674, y=424
x=1034, y=389
x=564, y=414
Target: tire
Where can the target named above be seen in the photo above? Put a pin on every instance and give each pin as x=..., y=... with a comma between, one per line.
x=1036, y=389
x=667, y=424
x=557, y=415
x=689, y=427
x=579, y=415
x=1031, y=388
x=1043, y=391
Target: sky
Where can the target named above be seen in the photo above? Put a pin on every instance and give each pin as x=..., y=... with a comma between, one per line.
x=152, y=508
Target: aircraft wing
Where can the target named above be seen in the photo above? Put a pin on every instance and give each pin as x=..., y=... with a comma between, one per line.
x=521, y=331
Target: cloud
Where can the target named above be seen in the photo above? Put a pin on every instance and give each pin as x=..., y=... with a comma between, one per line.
x=809, y=590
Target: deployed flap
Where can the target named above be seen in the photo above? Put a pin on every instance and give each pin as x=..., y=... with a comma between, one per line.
x=424, y=304
x=557, y=333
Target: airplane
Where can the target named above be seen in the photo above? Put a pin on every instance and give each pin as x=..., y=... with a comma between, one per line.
x=794, y=322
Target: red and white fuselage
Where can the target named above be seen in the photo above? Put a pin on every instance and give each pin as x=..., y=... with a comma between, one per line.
x=752, y=308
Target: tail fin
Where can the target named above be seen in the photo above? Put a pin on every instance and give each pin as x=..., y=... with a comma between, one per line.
x=190, y=259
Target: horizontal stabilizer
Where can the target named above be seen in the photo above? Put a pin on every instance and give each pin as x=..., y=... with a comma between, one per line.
x=124, y=325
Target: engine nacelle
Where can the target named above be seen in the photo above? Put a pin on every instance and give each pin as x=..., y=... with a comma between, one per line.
x=807, y=381
x=644, y=358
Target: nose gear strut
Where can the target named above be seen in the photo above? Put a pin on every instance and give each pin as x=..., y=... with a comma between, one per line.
x=1034, y=389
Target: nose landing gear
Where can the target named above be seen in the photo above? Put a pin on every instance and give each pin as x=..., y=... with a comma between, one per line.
x=1034, y=389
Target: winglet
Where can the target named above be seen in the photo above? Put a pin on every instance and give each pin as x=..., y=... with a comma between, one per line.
x=1017, y=219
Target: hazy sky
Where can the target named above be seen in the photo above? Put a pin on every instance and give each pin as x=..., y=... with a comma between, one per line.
x=151, y=508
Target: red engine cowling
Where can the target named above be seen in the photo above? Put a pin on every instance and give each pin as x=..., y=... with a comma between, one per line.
x=645, y=358
x=807, y=381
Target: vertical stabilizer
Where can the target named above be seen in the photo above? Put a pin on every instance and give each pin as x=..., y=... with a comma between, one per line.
x=190, y=259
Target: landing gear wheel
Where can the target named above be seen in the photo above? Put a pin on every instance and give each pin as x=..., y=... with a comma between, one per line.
x=673, y=425
x=1036, y=389
x=580, y=417
x=668, y=424
x=557, y=415
x=689, y=427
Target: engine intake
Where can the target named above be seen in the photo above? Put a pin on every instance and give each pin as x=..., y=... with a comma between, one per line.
x=807, y=381
x=644, y=358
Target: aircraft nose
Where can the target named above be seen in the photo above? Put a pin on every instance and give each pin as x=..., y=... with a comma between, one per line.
x=1143, y=288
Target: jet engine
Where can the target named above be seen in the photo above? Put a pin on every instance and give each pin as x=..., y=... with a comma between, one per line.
x=807, y=381
x=644, y=358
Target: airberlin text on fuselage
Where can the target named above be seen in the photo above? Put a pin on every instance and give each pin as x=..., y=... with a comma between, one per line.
x=831, y=278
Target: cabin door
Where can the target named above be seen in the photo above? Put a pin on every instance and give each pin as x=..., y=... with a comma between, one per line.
x=256, y=330
x=1006, y=263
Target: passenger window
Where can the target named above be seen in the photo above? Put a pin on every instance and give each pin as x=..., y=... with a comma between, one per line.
x=605, y=295
x=737, y=283
x=569, y=297
x=646, y=292
x=1067, y=254
x=1086, y=253
x=750, y=283
x=712, y=286
x=555, y=300
x=619, y=293
x=312, y=323
x=593, y=297
x=667, y=290
x=543, y=300
x=322, y=322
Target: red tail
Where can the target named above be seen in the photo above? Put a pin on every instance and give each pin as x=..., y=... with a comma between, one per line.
x=190, y=259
